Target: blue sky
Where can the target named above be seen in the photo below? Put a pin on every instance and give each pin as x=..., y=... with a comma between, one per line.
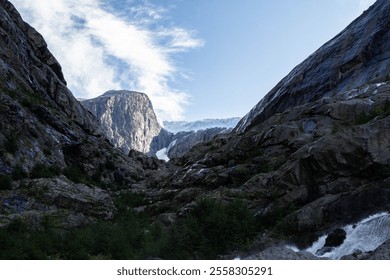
x=195, y=59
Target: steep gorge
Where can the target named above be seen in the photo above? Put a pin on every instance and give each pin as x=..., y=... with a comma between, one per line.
x=311, y=157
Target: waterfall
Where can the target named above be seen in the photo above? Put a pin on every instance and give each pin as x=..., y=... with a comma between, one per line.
x=366, y=235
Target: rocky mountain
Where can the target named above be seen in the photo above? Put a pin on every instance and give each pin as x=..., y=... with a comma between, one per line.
x=179, y=126
x=128, y=119
x=54, y=158
x=183, y=141
x=302, y=174
x=313, y=155
x=355, y=57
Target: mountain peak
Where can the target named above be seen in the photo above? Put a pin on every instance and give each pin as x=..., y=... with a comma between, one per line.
x=127, y=118
x=112, y=93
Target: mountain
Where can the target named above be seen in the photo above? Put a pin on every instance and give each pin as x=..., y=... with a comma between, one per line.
x=308, y=167
x=357, y=56
x=312, y=156
x=180, y=136
x=54, y=158
x=129, y=121
x=127, y=118
x=178, y=126
x=182, y=142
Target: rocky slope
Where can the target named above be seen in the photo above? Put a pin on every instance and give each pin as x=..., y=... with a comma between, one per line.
x=355, y=57
x=184, y=141
x=314, y=154
x=127, y=118
x=171, y=145
x=45, y=133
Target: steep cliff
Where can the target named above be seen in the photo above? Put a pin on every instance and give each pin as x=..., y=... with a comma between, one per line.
x=357, y=56
x=45, y=133
x=127, y=118
x=314, y=154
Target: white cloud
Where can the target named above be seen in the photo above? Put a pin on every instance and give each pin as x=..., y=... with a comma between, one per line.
x=101, y=48
x=365, y=4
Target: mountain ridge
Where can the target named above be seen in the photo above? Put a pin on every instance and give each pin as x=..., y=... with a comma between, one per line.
x=333, y=67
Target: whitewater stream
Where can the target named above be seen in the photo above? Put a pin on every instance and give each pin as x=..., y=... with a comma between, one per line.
x=365, y=236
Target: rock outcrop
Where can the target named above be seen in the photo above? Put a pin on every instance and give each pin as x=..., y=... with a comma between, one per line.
x=127, y=118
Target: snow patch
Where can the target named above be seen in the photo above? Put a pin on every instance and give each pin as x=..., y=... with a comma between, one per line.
x=162, y=154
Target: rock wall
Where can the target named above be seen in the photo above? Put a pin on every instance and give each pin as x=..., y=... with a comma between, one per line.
x=357, y=56
x=127, y=118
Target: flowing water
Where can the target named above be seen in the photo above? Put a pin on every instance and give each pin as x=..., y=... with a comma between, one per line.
x=365, y=236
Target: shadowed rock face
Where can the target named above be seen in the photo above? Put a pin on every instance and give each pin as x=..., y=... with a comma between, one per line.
x=127, y=118
x=43, y=127
x=357, y=56
x=314, y=154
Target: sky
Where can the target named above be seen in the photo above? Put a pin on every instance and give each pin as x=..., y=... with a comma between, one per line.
x=195, y=59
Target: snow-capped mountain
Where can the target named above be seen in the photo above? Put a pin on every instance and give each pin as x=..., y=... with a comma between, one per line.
x=178, y=126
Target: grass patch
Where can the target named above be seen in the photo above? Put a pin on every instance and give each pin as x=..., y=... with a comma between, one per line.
x=363, y=118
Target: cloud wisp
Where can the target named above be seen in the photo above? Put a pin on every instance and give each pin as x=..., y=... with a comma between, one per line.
x=101, y=47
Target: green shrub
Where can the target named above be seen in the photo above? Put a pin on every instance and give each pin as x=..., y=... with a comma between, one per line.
x=5, y=182
x=18, y=173
x=11, y=145
x=129, y=200
x=44, y=171
x=74, y=174
x=211, y=229
x=363, y=118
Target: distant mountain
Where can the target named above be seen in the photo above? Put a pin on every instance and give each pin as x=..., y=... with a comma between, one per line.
x=183, y=141
x=127, y=118
x=178, y=126
x=129, y=121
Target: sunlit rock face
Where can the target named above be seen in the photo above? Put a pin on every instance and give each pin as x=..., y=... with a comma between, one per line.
x=127, y=118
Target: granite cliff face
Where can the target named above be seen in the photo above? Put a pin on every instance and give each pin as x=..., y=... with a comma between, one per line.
x=314, y=154
x=127, y=118
x=46, y=133
x=355, y=57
